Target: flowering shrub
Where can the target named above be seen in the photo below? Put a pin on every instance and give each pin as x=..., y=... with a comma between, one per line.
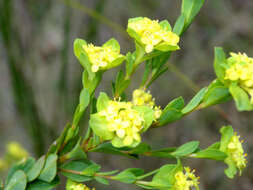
x=116, y=122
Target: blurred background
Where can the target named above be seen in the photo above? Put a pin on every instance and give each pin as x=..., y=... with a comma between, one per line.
x=40, y=79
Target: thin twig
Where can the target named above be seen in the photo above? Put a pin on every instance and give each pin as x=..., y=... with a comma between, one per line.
x=92, y=13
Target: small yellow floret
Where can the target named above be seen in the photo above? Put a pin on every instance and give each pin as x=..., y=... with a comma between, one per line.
x=71, y=185
x=15, y=150
x=143, y=98
x=236, y=152
x=100, y=57
x=241, y=70
x=186, y=180
x=124, y=121
x=151, y=33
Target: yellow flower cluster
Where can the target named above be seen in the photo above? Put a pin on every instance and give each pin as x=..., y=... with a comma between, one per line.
x=16, y=151
x=100, y=57
x=241, y=70
x=151, y=33
x=124, y=121
x=142, y=98
x=236, y=152
x=185, y=181
x=71, y=185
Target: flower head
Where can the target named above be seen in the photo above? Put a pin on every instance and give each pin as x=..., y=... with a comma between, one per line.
x=15, y=150
x=141, y=97
x=236, y=152
x=124, y=121
x=231, y=145
x=240, y=70
x=151, y=33
x=103, y=57
x=185, y=180
x=71, y=185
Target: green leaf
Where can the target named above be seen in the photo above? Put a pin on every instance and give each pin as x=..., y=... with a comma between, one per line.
x=41, y=185
x=195, y=101
x=158, y=184
x=109, y=149
x=84, y=60
x=226, y=134
x=148, y=115
x=78, y=47
x=130, y=31
x=219, y=62
x=34, y=172
x=186, y=149
x=23, y=165
x=165, y=25
x=216, y=94
x=209, y=153
x=84, y=99
x=82, y=57
x=102, y=180
x=114, y=44
x=77, y=152
x=77, y=166
x=215, y=146
x=72, y=131
x=161, y=154
x=232, y=169
x=241, y=98
x=167, y=173
x=165, y=47
x=116, y=62
x=17, y=182
x=179, y=25
x=130, y=58
x=177, y=103
x=190, y=9
x=49, y=171
x=126, y=176
x=108, y=173
x=69, y=145
x=99, y=126
x=91, y=169
x=56, y=145
x=169, y=115
x=172, y=111
x=121, y=83
x=91, y=84
x=141, y=148
x=136, y=171
x=102, y=101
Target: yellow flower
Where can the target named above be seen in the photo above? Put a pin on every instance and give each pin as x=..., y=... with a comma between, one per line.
x=71, y=185
x=236, y=152
x=151, y=33
x=15, y=150
x=241, y=70
x=124, y=121
x=142, y=98
x=101, y=58
x=186, y=180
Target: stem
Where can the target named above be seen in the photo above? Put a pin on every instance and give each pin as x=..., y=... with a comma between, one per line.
x=196, y=88
x=95, y=15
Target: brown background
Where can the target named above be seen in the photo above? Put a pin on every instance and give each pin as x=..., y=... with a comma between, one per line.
x=40, y=78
